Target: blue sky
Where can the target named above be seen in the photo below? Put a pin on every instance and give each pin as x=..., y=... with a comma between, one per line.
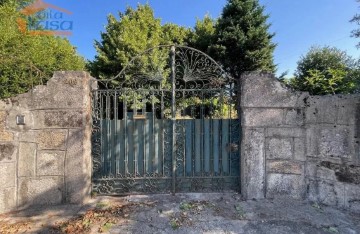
x=298, y=24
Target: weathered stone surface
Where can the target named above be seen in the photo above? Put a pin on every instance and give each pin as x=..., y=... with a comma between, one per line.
x=50, y=163
x=7, y=199
x=52, y=139
x=279, y=185
x=6, y=136
x=64, y=90
x=299, y=149
x=7, y=175
x=78, y=167
x=285, y=167
x=27, y=158
x=253, y=163
x=316, y=171
x=41, y=191
x=262, y=117
x=294, y=117
x=342, y=172
x=352, y=197
x=321, y=109
x=58, y=119
x=7, y=152
x=335, y=142
x=285, y=132
x=263, y=90
x=279, y=148
x=327, y=192
x=346, y=111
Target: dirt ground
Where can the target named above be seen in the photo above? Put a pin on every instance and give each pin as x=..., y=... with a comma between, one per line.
x=183, y=213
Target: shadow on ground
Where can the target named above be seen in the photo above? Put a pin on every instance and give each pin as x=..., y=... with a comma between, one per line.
x=196, y=213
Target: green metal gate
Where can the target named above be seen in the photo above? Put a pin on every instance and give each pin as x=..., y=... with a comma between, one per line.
x=167, y=123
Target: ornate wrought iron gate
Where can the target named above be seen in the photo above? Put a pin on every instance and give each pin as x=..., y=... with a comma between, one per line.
x=166, y=123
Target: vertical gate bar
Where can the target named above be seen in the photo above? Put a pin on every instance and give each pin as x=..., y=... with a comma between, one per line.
x=162, y=132
x=156, y=146
x=108, y=140
x=188, y=147
x=202, y=133
x=117, y=135
x=225, y=142
x=211, y=167
x=126, y=147
x=134, y=137
x=216, y=140
x=144, y=144
x=113, y=134
x=102, y=152
x=173, y=115
x=183, y=138
x=206, y=146
x=230, y=129
x=197, y=143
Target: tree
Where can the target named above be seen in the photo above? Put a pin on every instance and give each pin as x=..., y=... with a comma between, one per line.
x=326, y=70
x=243, y=42
x=203, y=35
x=134, y=32
x=27, y=60
x=356, y=32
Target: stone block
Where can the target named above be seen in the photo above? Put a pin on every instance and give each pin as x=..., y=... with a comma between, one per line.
x=348, y=106
x=285, y=167
x=7, y=199
x=78, y=166
x=279, y=148
x=279, y=185
x=321, y=109
x=335, y=142
x=27, y=158
x=41, y=191
x=262, y=117
x=299, y=149
x=6, y=136
x=264, y=90
x=52, y=139
x=352, y=197
x=7, y=152
x=327, y=192
x=50, y=163
x=294, y=117
x=58, y=119
x=65, y=90
x=285, y=132
x=253, y=163
x=7, y=175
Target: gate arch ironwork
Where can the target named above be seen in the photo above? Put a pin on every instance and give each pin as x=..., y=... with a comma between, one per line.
x=166, y=123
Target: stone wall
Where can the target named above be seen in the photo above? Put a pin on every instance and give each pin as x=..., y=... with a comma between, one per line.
x=47, y=160
x=298, y=145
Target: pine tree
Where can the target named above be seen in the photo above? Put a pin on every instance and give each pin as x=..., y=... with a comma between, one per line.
x=243, y=42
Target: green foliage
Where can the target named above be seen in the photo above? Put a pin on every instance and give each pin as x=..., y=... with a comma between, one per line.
x=28, y=60
x=326, y=70
x=356, y=32
x=243, y=42
x=203, y=34
x=136, y=31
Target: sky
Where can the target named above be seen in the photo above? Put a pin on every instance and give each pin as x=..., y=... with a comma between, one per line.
x=297, y=24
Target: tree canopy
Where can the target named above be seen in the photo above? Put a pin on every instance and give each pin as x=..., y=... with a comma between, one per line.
x=326, y=70
x=135, y=31
x=242, y=39
x=28, y=60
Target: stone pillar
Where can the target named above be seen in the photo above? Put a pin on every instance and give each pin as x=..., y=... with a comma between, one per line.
x=47, y=160
x=273, y=138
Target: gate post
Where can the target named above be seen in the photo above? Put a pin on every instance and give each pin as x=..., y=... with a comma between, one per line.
x=173, y=117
